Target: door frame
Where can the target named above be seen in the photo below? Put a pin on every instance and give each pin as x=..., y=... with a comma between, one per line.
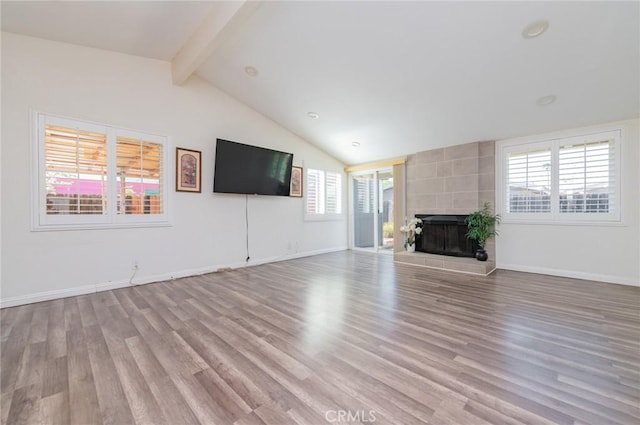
x=376, y=201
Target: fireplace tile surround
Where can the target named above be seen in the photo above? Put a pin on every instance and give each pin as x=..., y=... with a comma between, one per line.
x=453, y=180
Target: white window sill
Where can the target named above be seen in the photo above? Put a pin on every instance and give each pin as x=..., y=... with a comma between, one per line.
x=590, y=223
x=66, y=227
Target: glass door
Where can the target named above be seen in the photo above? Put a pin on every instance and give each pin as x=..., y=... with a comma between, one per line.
x=372, y=210
x=364, y=208
x=385, y=209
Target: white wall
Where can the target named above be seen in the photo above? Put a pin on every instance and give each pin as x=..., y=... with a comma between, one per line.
x=208, y=229
x=610, y=253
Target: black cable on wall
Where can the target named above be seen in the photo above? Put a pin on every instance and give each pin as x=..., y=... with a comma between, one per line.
x=246, y=217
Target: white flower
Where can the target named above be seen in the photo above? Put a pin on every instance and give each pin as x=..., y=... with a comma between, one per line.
x=418, y=230
x=404, y=229
x=412, y=227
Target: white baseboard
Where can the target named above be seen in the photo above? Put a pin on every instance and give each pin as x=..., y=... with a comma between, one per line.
x=293, y=256
x=620, y=280
x=107, y=286
x=443, y=269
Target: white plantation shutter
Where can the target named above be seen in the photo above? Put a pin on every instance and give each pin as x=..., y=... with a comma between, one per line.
x=92, y=175
x=334, y=193
x=564, y=180
x=315, y=191
x=587, y=177
x=139, y=171
x=529, y=182
x=324, y=192
x=75, y=171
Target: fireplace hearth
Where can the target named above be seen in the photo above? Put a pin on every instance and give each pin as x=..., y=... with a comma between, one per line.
x=445, y=235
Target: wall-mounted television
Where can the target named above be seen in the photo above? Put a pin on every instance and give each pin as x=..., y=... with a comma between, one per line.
x=247, y=169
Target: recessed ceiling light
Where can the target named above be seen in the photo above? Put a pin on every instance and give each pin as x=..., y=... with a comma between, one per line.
x=313, y=115
x=535, y=29
x=546, y=100
x=355, y=144
x=251, y=71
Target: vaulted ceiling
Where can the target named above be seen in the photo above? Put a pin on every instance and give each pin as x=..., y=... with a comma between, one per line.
x=395, y=77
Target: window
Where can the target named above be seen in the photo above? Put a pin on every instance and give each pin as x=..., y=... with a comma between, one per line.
x=139, y=165
x=75, y=170
x=529, y=181
x=315, y=192
x=587, y=177
x=92, y=175
x=333, y=204
x=324, y=192
x=564, y=180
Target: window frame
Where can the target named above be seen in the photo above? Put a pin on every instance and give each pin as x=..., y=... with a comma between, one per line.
x=504, y=163
x=554, y=144
x=323, y=216
x=41, y=221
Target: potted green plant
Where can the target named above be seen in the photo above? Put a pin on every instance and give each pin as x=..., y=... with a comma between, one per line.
x=481, y=225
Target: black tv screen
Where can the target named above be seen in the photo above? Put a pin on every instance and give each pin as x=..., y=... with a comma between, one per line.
x=251, y=170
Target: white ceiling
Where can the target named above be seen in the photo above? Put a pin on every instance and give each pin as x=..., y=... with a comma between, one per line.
x=153, y=29
x=397, y=77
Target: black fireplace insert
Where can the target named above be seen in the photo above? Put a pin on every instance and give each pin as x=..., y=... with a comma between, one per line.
x=445, y=235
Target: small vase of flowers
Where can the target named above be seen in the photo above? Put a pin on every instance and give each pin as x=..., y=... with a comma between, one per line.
x=412, y=228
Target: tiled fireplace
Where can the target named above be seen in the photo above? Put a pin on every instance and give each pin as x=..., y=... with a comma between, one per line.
x=453, y=181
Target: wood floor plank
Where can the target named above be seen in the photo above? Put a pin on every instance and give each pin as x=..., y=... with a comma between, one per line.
x=83, y=400
x=32, y=368
x=7, y=320
x=39, y=324
x=25, y=406
x=453, y=412
x=346, y=332
x=396, y=406
x=199, y=400
x=71, y=314
x=5, y=405
x=126, y=302
x=250, y=419
x=172, y=405
x=143, y=405
x=87, y=313
x=14, y=347
x=231, y=366
x=304, y=415
x=56, y=377
x=54, y=409
x=561, y=392
x=272, y=415
x=147, y=362
x=225, y=398
x=114, y=407
x=56, y=332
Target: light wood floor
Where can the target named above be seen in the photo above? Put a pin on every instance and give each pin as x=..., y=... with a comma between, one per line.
x=299, y=341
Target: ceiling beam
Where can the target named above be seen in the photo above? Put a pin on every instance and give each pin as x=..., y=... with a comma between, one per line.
x=225, y=18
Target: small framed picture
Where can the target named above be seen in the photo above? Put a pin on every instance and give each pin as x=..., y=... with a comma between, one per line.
x=188, y=170
x=296, y=182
